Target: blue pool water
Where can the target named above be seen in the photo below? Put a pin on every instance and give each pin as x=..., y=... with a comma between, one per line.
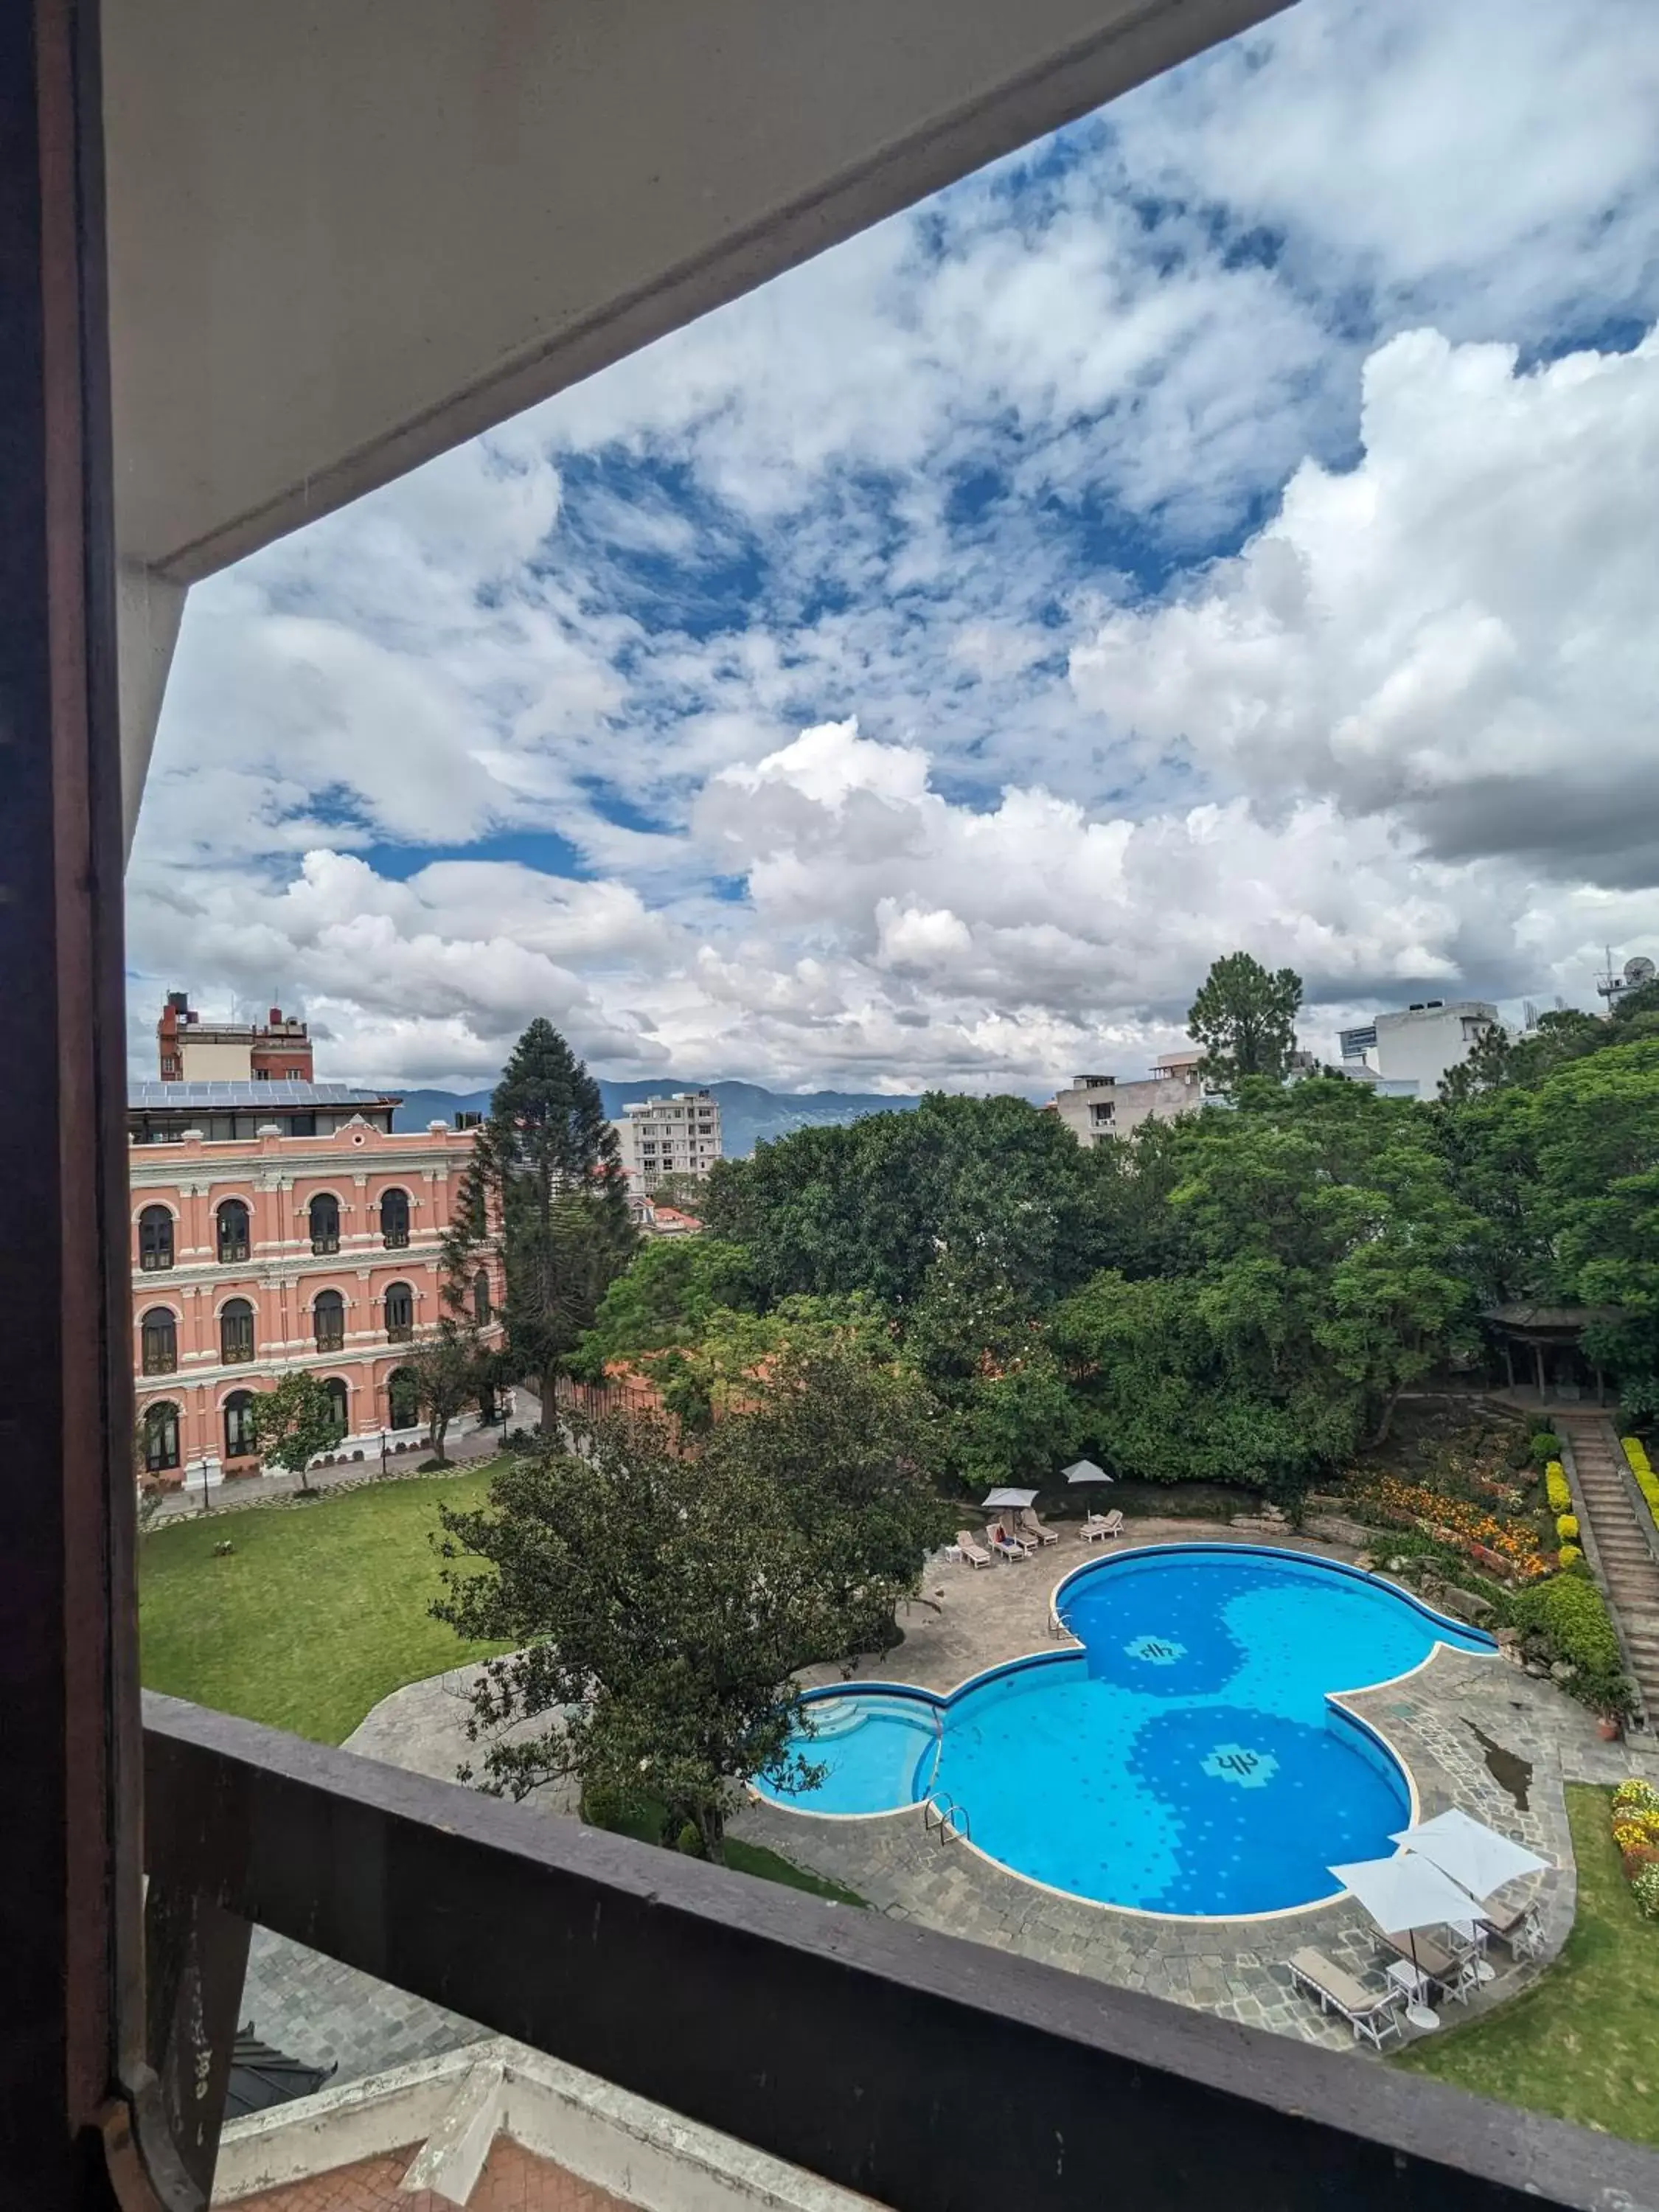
x=1186, y=1760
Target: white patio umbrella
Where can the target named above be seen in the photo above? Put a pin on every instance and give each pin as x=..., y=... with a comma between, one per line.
x=1084, y=1470
x=1478, y=1858
x=1009, y=1498
x=1403, y=1895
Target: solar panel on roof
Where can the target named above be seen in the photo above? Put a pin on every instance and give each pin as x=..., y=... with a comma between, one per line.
x=287, y=1093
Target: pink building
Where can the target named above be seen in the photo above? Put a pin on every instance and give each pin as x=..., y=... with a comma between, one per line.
x=276, y=1225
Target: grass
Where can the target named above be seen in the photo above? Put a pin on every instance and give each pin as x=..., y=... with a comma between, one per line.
x=319, y=1614
x=644, y=1822
x=1584, y=2042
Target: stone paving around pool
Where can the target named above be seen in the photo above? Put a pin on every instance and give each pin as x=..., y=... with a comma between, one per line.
x=1441, y=1720
x=1445, y=1722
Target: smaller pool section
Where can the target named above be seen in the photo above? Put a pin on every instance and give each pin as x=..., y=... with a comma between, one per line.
x=1188, y=1759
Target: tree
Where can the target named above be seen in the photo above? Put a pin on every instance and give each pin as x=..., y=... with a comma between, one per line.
x=665, y=1296
x=661, y=1606
x=294, y=1422
x=546, y=1171
x=447, y=1369
x=682, y=1189
x=1245, y=1019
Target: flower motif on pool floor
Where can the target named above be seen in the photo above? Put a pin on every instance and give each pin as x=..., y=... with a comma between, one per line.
x=1156, y=1651
x=1250, y=1770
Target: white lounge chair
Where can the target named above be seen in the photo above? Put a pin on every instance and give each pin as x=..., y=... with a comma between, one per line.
x=1099, y=1527
x=1373, y=2014
x=1454, y=1971
x=1007, y=1546
x=1027, y=1524
x=971, y=1549
x=1520, y=1929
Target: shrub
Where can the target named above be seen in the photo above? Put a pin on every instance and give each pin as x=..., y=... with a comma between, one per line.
x=1544, y=1446
x=1569, y=1613
x=1645, y=1889
x=1646, y=1482
x=1635, y=1796
x=1556, y=1488
x=1568, y=1556
x=1566, y=1527
x=689, y=1841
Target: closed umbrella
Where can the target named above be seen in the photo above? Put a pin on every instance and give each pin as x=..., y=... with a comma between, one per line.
x=1403, y=1895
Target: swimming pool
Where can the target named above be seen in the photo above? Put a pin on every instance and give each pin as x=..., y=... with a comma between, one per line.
x=1187, y=1759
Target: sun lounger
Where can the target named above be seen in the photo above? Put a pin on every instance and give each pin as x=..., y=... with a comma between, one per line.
x=1373, y=2014
x=1008, y=1546
x=1029, y=1525
x=971, y=1549
x=1099, y=1526
x=1454, y=1971
x=1520, y=1929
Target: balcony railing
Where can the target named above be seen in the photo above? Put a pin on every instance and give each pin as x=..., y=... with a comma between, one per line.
x=395, y=1239
x=330, y=1340
x=161, y=1359
x=321, y=1244
x=929, y=2073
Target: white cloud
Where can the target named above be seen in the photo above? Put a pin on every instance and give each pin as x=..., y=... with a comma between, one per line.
x=1459, y=633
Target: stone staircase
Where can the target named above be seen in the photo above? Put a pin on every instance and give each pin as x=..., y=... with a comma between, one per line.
x=1615, y=1515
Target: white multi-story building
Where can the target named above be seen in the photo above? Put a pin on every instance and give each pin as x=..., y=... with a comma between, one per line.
x=1417, y=1044
x=679, y=1135
x=1097, y=1106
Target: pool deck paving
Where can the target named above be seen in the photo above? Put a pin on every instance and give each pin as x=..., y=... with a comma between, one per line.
x=1446, y=1721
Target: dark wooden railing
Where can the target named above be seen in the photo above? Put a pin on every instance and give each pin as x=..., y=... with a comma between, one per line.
x=933, y=2075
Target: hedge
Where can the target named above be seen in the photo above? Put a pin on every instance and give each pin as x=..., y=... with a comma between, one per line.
x=1646, y=1480
x=1568, y=1612
x=1556, y=1489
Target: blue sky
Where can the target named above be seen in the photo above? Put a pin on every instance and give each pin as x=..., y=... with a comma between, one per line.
x=1224, y=523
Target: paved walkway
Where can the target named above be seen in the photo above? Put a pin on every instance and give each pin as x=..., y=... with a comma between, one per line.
x=1616, y=1515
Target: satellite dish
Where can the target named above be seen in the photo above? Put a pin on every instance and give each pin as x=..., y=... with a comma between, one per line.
x=1639, y=970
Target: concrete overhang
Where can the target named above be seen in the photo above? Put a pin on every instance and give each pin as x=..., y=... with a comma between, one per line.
x=346, y=235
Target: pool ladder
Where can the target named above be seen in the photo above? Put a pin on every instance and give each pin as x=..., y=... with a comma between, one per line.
x=943, y=1816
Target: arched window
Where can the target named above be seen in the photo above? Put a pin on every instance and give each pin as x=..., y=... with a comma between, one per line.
x=325, y=1216
x=402, y=1399
x=241, y=1442
x=399, y=1312
x=480, y=1296
x=328, y=1321
x=155, y=1238
x=233, y=1231
x=339, y=1400
x=394, y=1218
x=160, y=1437
x=235, y=1330
x=159, y=1335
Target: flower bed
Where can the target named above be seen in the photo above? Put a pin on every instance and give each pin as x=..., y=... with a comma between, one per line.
x=1636, y=1833
x=1509, y=1549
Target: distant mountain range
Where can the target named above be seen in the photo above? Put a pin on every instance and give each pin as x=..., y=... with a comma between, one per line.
x=748, y=1112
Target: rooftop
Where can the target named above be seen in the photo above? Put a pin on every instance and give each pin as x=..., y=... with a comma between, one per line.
x=287, y=1093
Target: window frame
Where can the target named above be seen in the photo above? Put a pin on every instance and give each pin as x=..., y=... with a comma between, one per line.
x=240, y=1311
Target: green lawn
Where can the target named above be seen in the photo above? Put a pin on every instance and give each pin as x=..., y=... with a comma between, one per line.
x=1584, y=2042
x=320, y=1612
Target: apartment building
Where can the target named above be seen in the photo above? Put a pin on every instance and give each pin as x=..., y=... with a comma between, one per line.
x=1416, y=1045
x=278, y=1225
x=1097, y=1106
x=190, y=1050
x=677, y=1135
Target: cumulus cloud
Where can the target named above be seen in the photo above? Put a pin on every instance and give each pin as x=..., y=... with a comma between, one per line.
x=1459, y=632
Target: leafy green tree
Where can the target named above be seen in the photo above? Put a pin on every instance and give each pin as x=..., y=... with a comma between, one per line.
x=1244, y=1018
x=546, y=1176
x=666, y=1297
x=294, y=1422
x=1006, y=1413
x=846, y=1440
x=446, y=1365
x=661, y=1608
x=721, y=1368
